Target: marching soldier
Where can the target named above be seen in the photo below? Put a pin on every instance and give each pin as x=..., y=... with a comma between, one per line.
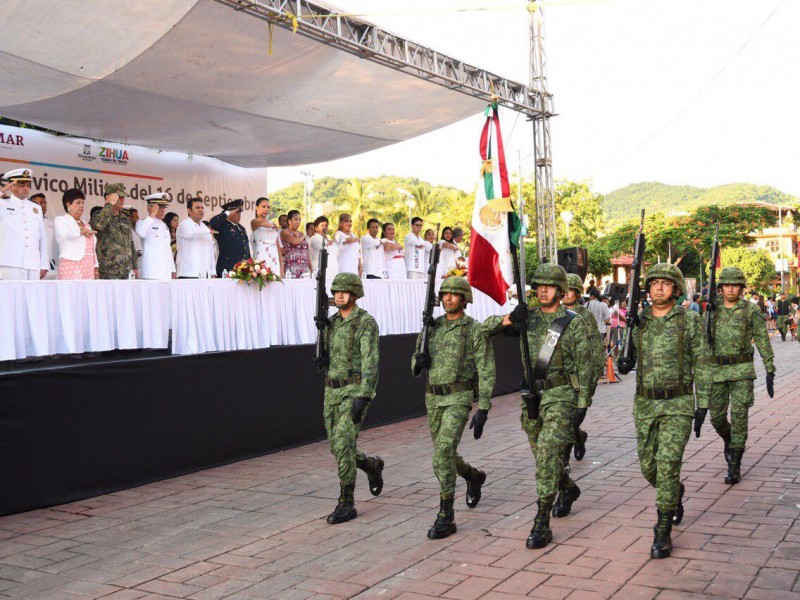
x=116, y=253
x=736, y=323
x=570, y=302
x=673, y=362
x=157, y=259
x=231, y=236
x=565, y=353
x=460, y=367
x=351, y=375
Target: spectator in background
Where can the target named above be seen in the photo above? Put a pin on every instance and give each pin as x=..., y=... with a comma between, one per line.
x=373, y=261
x=317, y=242
x=172, y=220
x=76, y=240
x=430, y=241
x=695, y=305
x=266, y=239
x=195, y=244
x=449, y=253
x=52, y=247
x=592, y=286
x=393, y=253
x=601, y=312
x=347, y=246
x=295, y=248
x=310, y=231
x=618, y=324
x=116, y=253
x=283, y=221
x=133, y=216
x=23, y=239
x=415, y=248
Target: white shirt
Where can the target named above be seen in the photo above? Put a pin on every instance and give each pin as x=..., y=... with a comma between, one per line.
x=23, y=239
x=157, y=260
x=50, y=236
x=447, y=259
x=372, y=256
x=416, y=248
x=394, y=260
x=314, y=248
x=71, y=243
x=348, y=253
x=195, y=249
x=601, y=312
x=266, y=242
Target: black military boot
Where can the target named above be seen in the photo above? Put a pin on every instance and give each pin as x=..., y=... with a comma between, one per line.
x=734, y=466
x=662, y=542
x=475, y=479
x=346, y=509
x=373, y=467
x=678, y=516
x=726, y=451
x=566, y=497
x=445, y=524
x=580, y=448
x=541, y=535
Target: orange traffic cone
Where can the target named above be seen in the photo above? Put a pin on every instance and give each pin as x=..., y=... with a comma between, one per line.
x=610, y=377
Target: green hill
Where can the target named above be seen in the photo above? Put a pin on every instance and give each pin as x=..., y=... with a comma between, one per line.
x=626, y=203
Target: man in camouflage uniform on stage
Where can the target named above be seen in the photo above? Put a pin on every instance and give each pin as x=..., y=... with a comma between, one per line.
x=116, y=253
x=736, y=322
x=673, y=363
x=565, y=397
x=460, y=364
x=351, y=376
x=570, y=302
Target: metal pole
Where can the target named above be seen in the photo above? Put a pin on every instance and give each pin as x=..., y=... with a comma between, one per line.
x=780, y=246
x=521, y=206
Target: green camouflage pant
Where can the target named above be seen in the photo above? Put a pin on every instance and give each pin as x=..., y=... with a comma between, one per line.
x=739, y=396
x=660, y=442
x=447, y=424
x=342, y=436
x=551, y=436
x=783, y=324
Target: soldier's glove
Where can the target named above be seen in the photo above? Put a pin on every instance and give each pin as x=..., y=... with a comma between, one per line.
x=322, y=362
x=358, y=407
x=422, y=361
x=519, y=314
x=771, y=384
x=580, y=415
x=478, y=421
x=699, y=419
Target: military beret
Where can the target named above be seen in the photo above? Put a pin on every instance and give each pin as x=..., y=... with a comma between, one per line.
x=115, y=188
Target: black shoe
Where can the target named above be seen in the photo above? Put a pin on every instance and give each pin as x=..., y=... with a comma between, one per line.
x=678, y=516
x=345, y=510
x=563, y=504
x=474, y=482
x=541, y=534
x=662, y=542
x=373, y=467
x=445, y=524
x=580, y=448
x=734, y=466
x=726, y=452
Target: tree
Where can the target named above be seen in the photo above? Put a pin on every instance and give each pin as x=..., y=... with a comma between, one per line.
x=756, y=264
x=599, y=259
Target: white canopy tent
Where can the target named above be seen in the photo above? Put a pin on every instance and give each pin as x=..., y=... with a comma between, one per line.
x=196, y=76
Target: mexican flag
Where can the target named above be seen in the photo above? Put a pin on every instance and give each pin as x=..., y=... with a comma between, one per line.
x=495, y=225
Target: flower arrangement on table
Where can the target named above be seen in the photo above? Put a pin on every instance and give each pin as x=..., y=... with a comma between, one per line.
x=457, y=271
x=253, y=271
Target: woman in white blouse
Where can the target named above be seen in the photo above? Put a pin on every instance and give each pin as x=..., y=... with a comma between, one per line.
x=347, y=246
x=76, y=240
x=395, y=257
x=266, y=243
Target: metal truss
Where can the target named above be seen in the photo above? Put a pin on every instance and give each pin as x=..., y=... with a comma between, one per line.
x=371, y=43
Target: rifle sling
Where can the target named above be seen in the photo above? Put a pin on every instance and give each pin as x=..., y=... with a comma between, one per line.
x=548, y=349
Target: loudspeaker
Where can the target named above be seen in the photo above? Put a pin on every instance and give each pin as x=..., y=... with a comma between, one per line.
x=617, y=291
x=574, y=260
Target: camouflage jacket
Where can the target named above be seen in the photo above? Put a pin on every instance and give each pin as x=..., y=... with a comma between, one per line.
x=733, y=330
x=460, y=351
x=352, y=345
x=598, y=352
x=116, y=253
x=671, y=350
x=572, y=358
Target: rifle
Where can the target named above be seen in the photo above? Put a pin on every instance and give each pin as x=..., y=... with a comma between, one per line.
x=321, y=318
x=430, y=302
x=711, y=301
x=627, y=359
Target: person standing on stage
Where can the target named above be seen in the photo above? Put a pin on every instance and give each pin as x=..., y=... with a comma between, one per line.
x=735, y=324
x=49, y=227
x=372, y=254
x=231, y=236
x=116, y=253
x=449, y=253
x=23, y=238
x=416, y=247
x=295, y=248
x=347, y=247
x=266, y=238
x=393, y=253
x=195, y=244
x=315, y=244
x=351, y=376
x=460, y=365
x=76, y=240
x=157, y=258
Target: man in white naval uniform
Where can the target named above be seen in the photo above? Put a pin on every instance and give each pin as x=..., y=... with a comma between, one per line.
x=23, y=239
x=157, y=260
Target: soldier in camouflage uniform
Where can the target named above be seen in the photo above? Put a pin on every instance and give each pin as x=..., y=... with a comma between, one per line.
x=783, y=311
x=116, y=253
x=673, y=362
x=460, y=367
x=735, y=323
x=566, y=394
x=570, y=302
x=351, y=376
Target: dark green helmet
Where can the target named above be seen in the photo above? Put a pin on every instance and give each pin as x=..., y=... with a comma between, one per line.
x=574, y=282
x=669, y=272
x=550, y=274
x=348, y=282
x=732, y=276
x=456, y=285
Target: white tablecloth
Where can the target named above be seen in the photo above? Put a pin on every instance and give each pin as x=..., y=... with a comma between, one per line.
x=205, y=315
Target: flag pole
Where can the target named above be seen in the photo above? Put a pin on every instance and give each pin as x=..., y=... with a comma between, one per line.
x=524, y=391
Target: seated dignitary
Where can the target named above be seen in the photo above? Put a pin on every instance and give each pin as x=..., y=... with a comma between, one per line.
x=23, y=239
x=231, y=236
x=195, y=244
x=76, y=240
x=157, y=260
x=116, y=253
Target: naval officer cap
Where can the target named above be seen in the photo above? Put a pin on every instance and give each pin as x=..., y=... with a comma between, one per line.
x=233, y=205
x=115, y=188
x=160, y=198
x=19, y=175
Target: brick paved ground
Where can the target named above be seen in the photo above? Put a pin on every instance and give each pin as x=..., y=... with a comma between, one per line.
x=256, y=529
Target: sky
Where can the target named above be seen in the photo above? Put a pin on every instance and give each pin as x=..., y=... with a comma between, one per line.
x=697, y=92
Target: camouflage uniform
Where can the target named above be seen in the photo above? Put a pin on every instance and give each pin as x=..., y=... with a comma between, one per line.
x=116, y=253
x=783, y=311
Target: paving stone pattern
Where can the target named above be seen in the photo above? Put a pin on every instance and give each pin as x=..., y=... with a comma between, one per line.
x=256, y=529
